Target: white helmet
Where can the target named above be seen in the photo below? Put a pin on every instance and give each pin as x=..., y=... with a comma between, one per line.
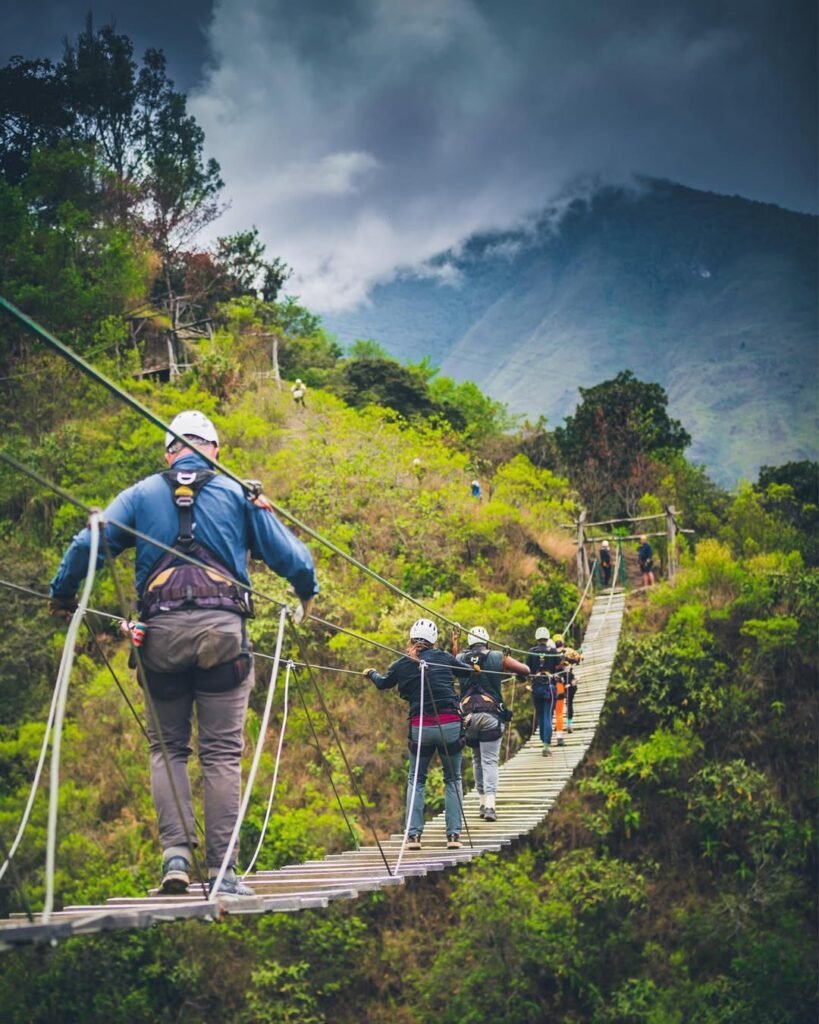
x=424, y=629
x=604, y=544
x=192, y=423
x=542, y=633
x=477, y=635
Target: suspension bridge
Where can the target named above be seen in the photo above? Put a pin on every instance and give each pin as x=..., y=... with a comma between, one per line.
x=529, y=784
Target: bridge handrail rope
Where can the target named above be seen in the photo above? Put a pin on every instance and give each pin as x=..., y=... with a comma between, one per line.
x=63, y=676
x=34, y=785
x=251, y=778
x=154, y=721
x=259, y=654
x=617, y=558
x=411, y=805
x=568, y=625
x=119, y=392
x=282, y=728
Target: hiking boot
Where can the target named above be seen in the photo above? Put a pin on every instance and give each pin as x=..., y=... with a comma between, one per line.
x=569, y=729
x=413, y=841
x=176, y=876
x=232, y=885
x=560, y=741
x=483, y=811
x=490, y=814
x=547, y=752
x=453, y=841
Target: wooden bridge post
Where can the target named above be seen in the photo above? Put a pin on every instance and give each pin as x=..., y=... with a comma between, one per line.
x=672, y=530
x=582, y=560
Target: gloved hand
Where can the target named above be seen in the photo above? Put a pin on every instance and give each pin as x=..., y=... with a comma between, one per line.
x=368, y=672
x=62, y=607
x=302, y=610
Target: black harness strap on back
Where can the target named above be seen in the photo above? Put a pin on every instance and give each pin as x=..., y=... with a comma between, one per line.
x=175, y=582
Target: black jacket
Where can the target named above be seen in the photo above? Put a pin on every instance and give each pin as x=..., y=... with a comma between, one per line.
x=439, y=693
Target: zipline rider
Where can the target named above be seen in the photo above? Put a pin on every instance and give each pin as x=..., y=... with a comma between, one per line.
x=196, y=650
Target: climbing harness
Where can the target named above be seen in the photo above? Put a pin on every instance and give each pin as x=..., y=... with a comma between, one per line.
x=176, y=583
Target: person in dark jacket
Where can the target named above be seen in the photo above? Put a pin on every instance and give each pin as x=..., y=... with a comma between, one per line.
x=195, y=651
x=437, y=729
x=485, y=721
x=645, y=556
x=543, y=660
x=605, y=563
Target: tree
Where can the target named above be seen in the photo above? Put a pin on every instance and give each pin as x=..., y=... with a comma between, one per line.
x=33, y=113
x=137, y=125
x=617, y=440
x=384, y=382
x=366, y=348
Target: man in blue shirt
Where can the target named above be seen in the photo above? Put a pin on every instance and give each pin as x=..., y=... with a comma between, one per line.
x=195, y=652
x=645, y=556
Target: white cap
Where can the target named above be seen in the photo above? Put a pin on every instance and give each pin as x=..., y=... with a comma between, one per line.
x=192, y=423
x=542, y=633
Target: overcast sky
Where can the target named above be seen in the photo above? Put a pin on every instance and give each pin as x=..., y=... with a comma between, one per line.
x=364, y=135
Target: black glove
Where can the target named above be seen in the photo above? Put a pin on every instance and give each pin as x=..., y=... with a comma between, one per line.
x=62, y=607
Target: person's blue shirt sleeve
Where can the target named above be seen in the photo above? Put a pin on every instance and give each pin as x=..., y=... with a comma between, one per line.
x=285, y=554
x=74, y=566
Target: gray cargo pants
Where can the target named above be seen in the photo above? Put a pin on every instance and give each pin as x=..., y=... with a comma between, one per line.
x=196, y=641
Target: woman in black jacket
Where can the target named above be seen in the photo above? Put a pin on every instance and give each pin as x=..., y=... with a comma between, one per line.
x=435, y=728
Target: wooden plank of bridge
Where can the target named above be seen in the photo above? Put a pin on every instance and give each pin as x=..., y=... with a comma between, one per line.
x=529, y=784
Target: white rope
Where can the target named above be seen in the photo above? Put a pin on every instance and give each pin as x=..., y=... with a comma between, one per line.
x=251, y=778
x=290, y=665
x=62, y=697
x=568, y=625
x=35, y=783
x=411, y=807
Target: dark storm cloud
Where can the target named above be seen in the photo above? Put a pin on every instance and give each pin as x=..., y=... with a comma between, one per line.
x=365, y=135
x=39, y=28
x=362, y=135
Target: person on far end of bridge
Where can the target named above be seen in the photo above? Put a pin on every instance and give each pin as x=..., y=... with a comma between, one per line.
x=645, y=556
x=439, y=729
x=605, y=563
x=543, y=660
x=195, y=650
x=485, y=714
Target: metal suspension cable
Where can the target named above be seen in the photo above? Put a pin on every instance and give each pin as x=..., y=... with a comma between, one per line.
x=34, y=475
x=62, y=697
x=269, y=809
x=341, y=750
x=119, y=392
x=323, y=760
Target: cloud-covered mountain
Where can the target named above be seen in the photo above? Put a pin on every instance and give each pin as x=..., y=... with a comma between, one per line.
x=712, y=296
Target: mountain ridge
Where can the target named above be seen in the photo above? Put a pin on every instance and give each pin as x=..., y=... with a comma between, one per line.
x=711, y=296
